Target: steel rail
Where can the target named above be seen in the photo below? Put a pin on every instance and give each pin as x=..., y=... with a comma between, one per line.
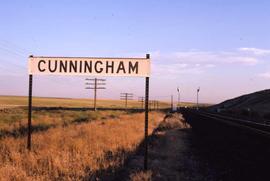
x=257, y=128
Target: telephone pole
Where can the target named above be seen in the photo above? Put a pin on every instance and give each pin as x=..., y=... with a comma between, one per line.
x=153, y=104
x=150, y=105
x=178, y=102
x=172, y=102
x=141, y=100
x=95, y=84
x=198, y=90
x=126, y=96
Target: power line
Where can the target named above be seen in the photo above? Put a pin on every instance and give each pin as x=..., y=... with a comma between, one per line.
x=12, y=45
x=95, y=84
x=12, y=52
x=153, y=104
x=14, y=64
x=126, y=96
x=141, y=100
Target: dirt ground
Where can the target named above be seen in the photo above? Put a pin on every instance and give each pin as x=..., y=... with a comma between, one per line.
x=170, y=157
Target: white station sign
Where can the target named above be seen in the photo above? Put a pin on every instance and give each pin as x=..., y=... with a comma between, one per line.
x=139, y=67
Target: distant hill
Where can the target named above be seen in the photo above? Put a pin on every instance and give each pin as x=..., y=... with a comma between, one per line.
x=256, y=104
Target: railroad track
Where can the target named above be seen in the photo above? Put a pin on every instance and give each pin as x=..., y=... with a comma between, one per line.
x=257, y=128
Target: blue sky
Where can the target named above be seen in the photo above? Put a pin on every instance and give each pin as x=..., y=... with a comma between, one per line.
x=220, y=45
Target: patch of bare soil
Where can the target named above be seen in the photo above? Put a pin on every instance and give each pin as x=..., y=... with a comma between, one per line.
x=169, y=157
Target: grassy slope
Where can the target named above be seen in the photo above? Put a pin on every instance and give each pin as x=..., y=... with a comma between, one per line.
x=255, y=99
x=257, y=102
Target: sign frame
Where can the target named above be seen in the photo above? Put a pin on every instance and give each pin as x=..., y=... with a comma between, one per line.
x=96, y=66
x=146, y=108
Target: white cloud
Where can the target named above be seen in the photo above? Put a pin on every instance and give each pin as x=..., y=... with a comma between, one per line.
x=174, y=69
x=199, y=58
x=181, y=65
x=197, y=62
x=265, y=75
x=215, y=58
x=256, y=51
x=210, y=65
x=241, y=60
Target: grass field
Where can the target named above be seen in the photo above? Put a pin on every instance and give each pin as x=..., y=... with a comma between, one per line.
x=68, y=144
x=13, y=110
x=22, y=101
x=74, y=150
x=72, y=144
x=16, y=101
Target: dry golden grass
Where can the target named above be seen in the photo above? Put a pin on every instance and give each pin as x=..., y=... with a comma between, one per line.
x=74, y=151
x=15, y=101
x=14, y=119
x=141, y=176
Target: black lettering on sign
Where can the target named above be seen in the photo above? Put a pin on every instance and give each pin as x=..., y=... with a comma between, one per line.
x=39, y=68
x=121, y=67
x=109, y=66
x=73, y=66
x=88, y=66
x=133, y=68
x=80, y=66
x=63, y=66
x=51, y=68
x=96, y=67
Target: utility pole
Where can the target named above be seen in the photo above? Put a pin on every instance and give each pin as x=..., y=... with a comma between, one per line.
x=156, y=104
x=95, y=84
x=178, y=102
x=172, y=102
x=198, y=90
x=126, y=96
x=152, y=104
x=141, y=100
